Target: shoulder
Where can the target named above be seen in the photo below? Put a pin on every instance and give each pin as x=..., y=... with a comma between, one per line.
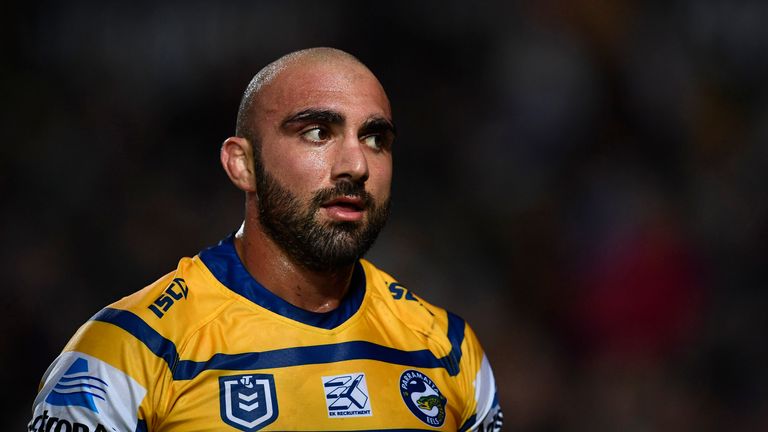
x=446, y=333
x=408, y=307
x=449, y=336
x=137, y=339
x=111, y=371
x=157, y=319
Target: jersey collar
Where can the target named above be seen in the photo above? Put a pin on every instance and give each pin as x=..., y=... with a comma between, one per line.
x=224, y=263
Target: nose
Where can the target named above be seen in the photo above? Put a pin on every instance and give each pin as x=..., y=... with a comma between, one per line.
x=350, y=161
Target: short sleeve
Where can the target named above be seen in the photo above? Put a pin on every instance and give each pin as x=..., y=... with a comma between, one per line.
x=489, y=416
x=483, y=411
x=101, y=382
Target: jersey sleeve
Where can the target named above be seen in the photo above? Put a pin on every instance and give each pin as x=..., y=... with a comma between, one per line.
x=483, y=411
x=104, y=380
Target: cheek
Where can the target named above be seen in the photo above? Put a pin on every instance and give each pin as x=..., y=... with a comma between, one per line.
x=303, y=172
x=380, y=179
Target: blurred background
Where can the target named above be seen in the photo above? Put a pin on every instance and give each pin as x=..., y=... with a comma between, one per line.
x=583, y=181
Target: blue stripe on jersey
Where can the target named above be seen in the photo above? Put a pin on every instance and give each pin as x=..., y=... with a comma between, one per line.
x=456, y=336
x=318, y=354
x=141, y=426
x=128, y=321
x=224, y=263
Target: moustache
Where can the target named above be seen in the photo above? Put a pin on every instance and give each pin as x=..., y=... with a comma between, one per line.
x=342, y=189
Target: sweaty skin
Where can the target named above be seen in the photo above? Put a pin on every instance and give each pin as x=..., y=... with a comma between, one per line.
x=306, y=153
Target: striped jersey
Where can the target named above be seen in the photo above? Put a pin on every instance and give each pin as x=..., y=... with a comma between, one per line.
x=208, y=348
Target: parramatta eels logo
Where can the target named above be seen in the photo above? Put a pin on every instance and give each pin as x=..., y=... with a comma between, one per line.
x=248, y=402
x=423, y=398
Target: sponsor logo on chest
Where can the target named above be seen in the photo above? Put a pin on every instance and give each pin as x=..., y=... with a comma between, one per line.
x=347, y=395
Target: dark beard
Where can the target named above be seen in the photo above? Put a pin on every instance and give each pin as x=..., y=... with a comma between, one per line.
x=320, y=247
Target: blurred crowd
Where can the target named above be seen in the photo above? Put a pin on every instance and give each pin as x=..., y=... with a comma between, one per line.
x=581, y=180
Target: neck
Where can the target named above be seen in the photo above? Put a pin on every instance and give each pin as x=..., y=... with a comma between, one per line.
x=267, y=263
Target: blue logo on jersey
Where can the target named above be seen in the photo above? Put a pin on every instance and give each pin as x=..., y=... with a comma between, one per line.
x=77, y=388
x=398, y=290
x=248, y=402
x=423, y=398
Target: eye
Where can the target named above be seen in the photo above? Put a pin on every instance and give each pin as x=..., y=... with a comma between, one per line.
x=316, y=134
x=375, y=141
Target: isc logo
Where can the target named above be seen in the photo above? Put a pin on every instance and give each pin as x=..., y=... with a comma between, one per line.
x=398, y=290
x=176, y=291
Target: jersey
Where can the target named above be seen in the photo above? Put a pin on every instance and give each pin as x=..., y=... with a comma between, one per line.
x=208, y=348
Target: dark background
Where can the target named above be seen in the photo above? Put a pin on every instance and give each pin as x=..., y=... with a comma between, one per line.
x=583, y=181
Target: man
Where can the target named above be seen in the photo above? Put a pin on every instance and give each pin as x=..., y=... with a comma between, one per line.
x=282, y=326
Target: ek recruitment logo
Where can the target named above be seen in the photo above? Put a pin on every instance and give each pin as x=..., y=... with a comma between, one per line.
x=347, y=395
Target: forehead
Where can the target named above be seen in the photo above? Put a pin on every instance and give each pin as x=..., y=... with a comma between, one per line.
x=346, y=87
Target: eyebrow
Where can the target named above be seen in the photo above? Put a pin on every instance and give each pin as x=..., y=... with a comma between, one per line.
x=378, y=125
x=375, y=124
x=314, y=115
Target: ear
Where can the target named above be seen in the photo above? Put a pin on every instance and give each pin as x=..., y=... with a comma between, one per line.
x=237, y=160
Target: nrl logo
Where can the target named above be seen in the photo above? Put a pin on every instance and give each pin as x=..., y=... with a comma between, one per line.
x=248, y=402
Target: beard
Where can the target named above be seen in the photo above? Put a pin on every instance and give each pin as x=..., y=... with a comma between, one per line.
x=315, y=245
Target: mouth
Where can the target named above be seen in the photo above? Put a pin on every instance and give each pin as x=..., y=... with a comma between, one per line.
x=345, y=208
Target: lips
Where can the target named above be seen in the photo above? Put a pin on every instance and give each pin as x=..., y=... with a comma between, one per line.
x=345, y=208
x=351, y=202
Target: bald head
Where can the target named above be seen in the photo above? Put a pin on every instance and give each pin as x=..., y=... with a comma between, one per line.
x=313, y=154
x=303, y=59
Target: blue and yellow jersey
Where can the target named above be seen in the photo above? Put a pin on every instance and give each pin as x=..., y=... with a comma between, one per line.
x=207, y=348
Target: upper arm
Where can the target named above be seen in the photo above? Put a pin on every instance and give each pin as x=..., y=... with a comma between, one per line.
x=105, y=380
x=79, y=388
x=483, y=412
x=489, y=417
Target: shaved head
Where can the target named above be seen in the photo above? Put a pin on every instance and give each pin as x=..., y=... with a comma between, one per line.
x=305, y=58
x=316, y=128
